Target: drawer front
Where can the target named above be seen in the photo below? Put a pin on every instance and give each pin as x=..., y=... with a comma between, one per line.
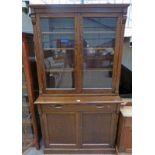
x=85, y=107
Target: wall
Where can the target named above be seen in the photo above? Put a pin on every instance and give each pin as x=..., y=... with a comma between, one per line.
x=26, y=23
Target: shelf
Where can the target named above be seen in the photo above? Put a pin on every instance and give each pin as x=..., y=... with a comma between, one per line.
x=98, y=48
x=58, y=33
x=63, y=28
x=107, y=32
x=99, y=69
x=24, y=86
x=24, y=94
x=27, y=137
x=106, y=58
x=60, y=70
x=26, y=121
x=45, y=49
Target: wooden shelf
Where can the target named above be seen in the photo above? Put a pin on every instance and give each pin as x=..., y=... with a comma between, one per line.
x=24, y=94
x=98, y=48
x=27, y=121
x=25, y=108
x=60, y=70
x=106, y=58
x=63, y=27
x=107, y=32
x=58, y=33
x=45, y=49
x=99, y=69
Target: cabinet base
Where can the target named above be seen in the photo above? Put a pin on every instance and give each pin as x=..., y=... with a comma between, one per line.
x=126, y=151
x=80, y=151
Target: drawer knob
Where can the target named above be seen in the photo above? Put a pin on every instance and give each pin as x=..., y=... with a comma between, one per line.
x=99, y=107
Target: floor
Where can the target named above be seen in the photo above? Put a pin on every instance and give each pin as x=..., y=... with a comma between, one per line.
x=33, y=151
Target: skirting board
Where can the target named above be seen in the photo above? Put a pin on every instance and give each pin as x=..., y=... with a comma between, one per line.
x=80, y=151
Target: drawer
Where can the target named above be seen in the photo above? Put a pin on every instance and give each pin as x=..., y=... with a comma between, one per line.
x=79, y=107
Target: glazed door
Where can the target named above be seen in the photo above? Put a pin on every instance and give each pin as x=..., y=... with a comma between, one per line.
x=99, y=35
x=79, y=53
x=58, y=52
x=98, y=129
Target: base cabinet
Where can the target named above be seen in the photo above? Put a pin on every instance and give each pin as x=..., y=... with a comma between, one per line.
x=79, y=128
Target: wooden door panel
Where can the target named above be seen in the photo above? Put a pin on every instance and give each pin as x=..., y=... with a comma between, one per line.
x=96, y=129
x=62, y=129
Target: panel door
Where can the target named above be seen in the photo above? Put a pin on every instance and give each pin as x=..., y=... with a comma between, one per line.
x=61, y=129
x=98, y=129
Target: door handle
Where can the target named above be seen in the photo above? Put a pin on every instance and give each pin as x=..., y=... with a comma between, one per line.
x=99, y=106
x=57, y=106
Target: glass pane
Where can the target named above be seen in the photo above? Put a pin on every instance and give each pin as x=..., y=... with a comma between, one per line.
x=57, y=40
x=58, y=48
x=57, y=24
x=99, y=42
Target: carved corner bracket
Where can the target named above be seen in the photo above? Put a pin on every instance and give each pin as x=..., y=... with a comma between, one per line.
x=33, y=18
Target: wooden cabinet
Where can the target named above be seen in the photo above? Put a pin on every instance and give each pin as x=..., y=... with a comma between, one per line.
x=79, y=128
x=78, y=51
x=79, y=47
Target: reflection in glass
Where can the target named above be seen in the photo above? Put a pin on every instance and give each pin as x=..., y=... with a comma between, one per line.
x=99, y=42
x=57, y=25
x=58, y=47
x=58, y=40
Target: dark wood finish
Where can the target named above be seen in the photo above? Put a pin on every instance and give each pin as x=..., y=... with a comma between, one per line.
x=120, y=49
x=62, y=130
x=71, y=127
x=80, y=99
x=79, y=120
x=75, y=11
x=80, y=151
x=29, y=82
x=96, y=133
x=89, y=8
x=124, y=137
x=107, y=108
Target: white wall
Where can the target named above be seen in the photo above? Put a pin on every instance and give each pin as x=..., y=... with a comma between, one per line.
x=26, y=23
